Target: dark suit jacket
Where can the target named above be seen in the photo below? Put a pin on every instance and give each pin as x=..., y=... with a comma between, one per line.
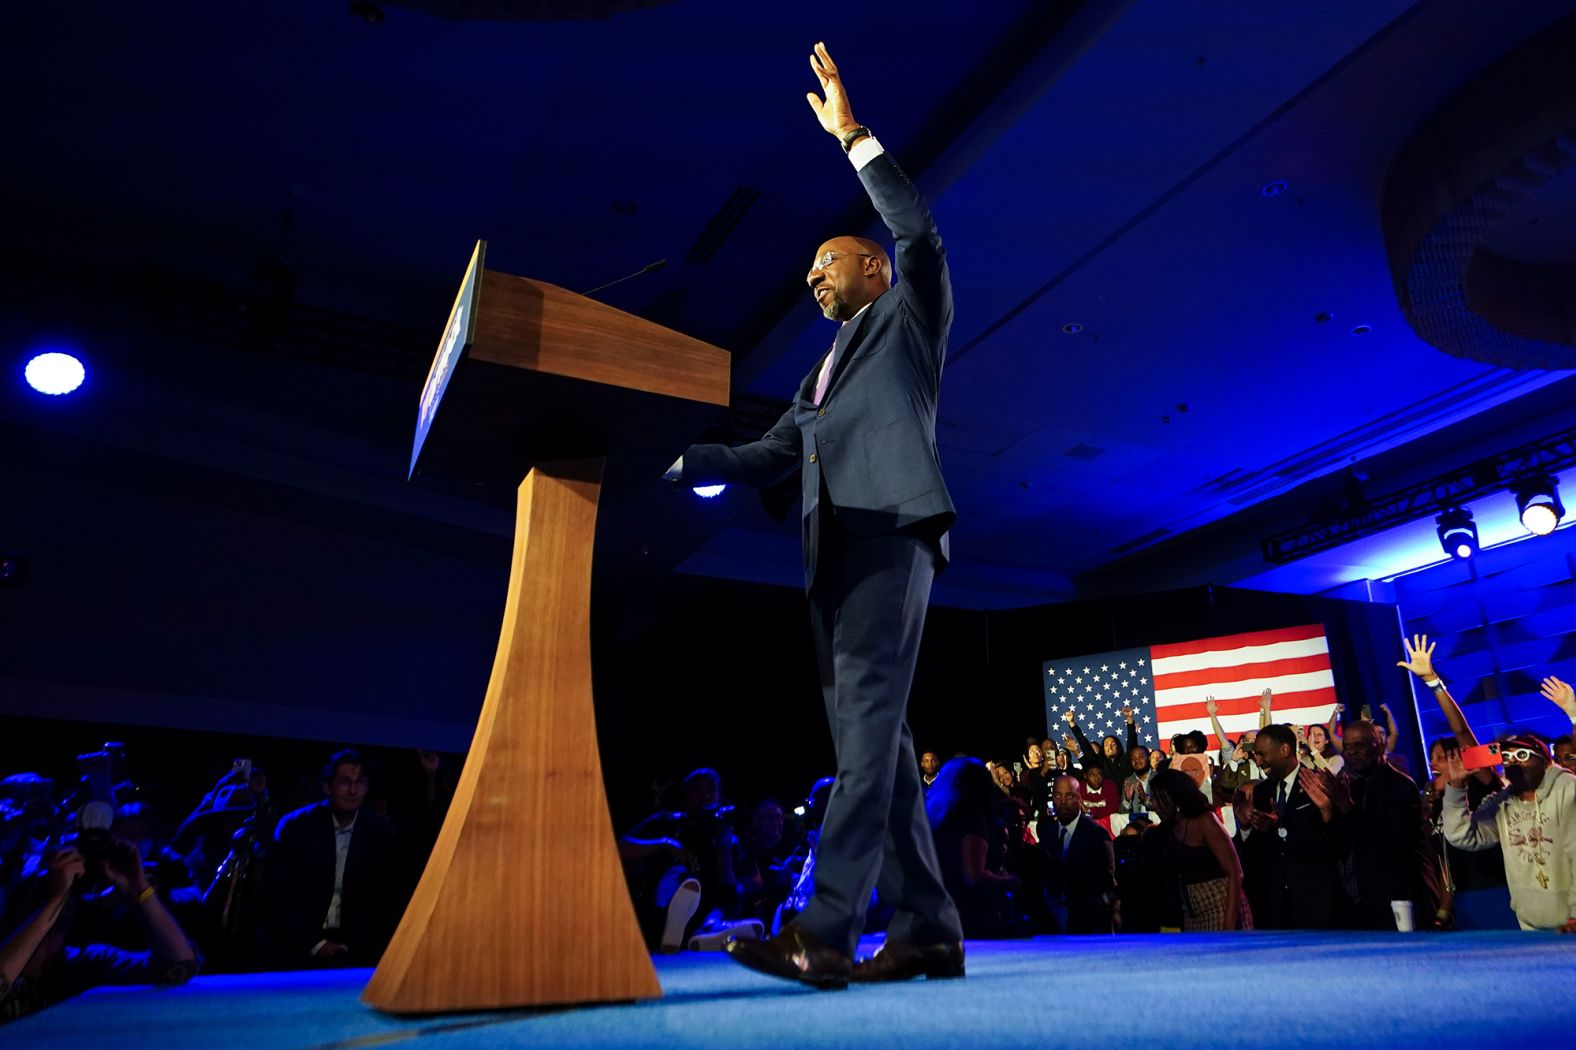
x=1085, y=878
x=1392, y=858
x=1303, y=868
x=300, y=884
x=872, y=441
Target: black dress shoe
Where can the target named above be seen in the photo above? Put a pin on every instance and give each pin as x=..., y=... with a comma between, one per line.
x=904, y=962
x=796, y=956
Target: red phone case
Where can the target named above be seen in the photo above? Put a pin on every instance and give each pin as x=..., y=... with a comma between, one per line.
x=1484, y=756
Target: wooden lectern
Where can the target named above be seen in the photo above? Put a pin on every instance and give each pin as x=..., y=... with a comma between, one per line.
x=531, y=380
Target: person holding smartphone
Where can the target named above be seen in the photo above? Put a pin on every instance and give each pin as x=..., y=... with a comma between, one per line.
x=1533, y=822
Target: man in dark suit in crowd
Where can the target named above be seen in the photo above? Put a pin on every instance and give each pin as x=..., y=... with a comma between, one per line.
x=861, y=434
x=1298, y=837
x=332, y=879
x=1082, y=880
x=1392, y=862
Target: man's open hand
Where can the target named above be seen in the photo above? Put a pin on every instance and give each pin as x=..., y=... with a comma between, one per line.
x=1419, y=656
x=835, y=114
x=1561, y=694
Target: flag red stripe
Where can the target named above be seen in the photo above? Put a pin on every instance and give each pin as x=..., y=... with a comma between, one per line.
x=1244, y=672
x=1236, y=641
x=1285, y=704
x=1244, y=706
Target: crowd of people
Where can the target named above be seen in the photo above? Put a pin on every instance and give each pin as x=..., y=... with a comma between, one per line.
x=93, y=894
x=1281, y=827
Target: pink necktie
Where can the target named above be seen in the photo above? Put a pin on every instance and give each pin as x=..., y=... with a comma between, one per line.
x=825, y=378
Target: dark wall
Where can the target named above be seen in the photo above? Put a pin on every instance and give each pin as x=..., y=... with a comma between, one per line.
x=707, y=672
x=168, y=607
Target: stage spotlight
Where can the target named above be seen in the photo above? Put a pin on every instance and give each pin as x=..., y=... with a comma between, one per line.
x=1457, y=533
x=54, y=373
x=1538, y=501
x=708, y=491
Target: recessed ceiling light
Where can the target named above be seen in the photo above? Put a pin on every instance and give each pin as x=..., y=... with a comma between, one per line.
x=1273, y=188
x=1362, y=329
x=54, y=374
x=1072, y=328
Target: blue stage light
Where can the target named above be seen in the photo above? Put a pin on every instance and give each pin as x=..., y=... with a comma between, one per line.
x=1458, y=534
x=708, y=491
x=54, y=373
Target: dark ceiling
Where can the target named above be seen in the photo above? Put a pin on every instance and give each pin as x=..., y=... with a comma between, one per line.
x=288, y=193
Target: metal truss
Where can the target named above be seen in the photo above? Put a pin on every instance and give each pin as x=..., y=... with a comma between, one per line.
x=1482, y=477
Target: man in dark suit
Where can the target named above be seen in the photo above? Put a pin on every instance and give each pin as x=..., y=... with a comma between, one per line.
x=1394, y=867
x=332, y=879
x=861, y=433
x=1082, y=882
x=1298, y=836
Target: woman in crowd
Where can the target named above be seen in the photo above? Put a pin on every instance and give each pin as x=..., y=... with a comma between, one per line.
x=1317, y=752
x=1194, y=850
x=1110, y=755
x=962, y=805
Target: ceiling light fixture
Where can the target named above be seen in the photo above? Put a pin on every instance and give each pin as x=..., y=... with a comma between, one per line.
x=1458, y=533
x=1538, y=501
x=1273, y=188
x=54, y=374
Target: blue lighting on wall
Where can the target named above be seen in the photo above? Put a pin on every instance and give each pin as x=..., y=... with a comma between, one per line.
x=708, y=491
x=54, y=373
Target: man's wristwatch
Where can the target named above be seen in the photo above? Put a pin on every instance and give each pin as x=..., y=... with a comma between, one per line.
x=854, y=136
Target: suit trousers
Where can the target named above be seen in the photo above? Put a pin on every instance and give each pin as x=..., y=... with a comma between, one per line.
x=867, y=610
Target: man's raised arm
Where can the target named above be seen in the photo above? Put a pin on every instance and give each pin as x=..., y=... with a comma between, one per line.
x=924, y=283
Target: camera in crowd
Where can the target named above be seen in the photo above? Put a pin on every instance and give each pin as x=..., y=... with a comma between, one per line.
x=89, y=835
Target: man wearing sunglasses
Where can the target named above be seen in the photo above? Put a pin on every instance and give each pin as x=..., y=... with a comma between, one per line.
x=861, y=432
x=1532, y=820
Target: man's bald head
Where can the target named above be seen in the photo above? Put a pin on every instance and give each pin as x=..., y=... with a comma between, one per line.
x=848, y=274
x=1363, y=745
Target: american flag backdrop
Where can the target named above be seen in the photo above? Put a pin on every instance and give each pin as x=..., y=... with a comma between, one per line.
x=1166, y=685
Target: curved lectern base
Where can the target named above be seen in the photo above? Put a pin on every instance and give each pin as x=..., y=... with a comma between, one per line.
x=523, y=901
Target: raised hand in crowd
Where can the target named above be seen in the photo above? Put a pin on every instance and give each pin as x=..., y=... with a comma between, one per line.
x=1127, y=715
x=1419, y=656
x=1561, y=695
x=1455, y=770
x=1266, y=701
x=1420, y=661
x=1392, y=735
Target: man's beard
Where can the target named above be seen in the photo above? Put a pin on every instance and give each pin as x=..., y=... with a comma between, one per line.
x=1519, y=779
x=836, y=310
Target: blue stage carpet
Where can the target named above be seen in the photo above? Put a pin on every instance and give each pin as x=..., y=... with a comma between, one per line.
x=1469, y=990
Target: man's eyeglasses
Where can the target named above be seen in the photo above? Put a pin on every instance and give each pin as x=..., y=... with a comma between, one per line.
x=1519, y=754
x=826, y=260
